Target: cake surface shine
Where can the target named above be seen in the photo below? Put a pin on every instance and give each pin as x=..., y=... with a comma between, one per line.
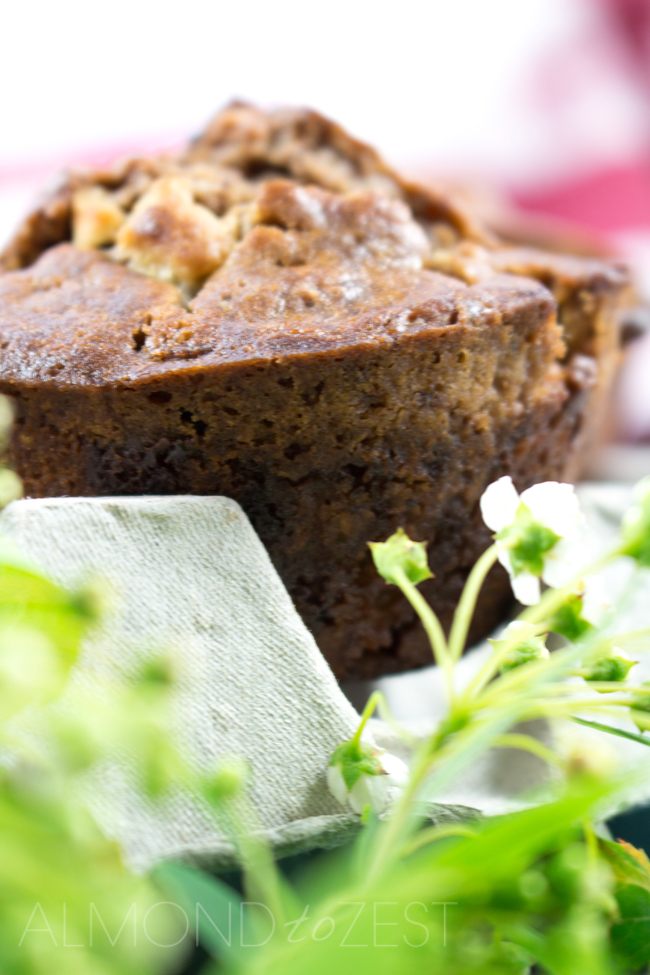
x=276, y=316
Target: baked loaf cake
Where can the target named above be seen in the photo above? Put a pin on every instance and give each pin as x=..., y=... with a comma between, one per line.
x=274, y=315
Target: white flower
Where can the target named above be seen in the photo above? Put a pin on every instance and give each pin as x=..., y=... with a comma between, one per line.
x=370, y=788
x=499, y=504
x=525, y=585
x=551, y=504
x=594, y=601
x=563, y=562
x=535, y=533
x=520, y=627
x=554, y=505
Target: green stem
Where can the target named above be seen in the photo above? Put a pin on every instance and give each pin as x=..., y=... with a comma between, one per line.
x=389, y=843
x=540, y=616
x=553, y=701
x=377, y=701
x=491, y=665
x=373, y=702
x=395, y=726
x=432, y=626
x=631, y=637
x=553, y=599
x=563, y=708
x=612, y=731
x=438, y=751
x=433, y=833
x=597, y=685
x=529, y=744
x=640, y=718
x=467, y=604
x=592, y=840
x=261, y=876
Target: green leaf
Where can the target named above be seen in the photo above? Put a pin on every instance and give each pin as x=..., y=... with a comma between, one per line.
x=41, y=626
x=501, y=852
x=27, y=597
x=630, y=866
x=400, y=554
x=214, y=909
x=631, y=935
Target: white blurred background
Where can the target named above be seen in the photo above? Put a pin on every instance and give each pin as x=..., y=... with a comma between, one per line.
x=451, y=81
x=522, y=91
x=548, y=101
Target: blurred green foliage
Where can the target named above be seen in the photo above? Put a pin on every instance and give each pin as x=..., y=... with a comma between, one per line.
x=536, y=890
x=65, y=894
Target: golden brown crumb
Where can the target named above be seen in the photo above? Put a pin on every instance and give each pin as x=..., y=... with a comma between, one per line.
x=170, y=237
x=468, y=261
x=96, y=218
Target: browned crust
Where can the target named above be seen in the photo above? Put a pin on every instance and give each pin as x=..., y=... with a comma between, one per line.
x=364, y=356
x=327, y=452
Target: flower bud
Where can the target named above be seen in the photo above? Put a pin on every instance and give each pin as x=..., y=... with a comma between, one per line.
x=6, y=418
x=527, y=543
x=228, y=780
x=641, y=702
x=528, y=647
x=568, y=619
x=11, y=487
x=93, y=600
x=400, y=554
x=636, y=525
x=613, y=666
x=360, y=775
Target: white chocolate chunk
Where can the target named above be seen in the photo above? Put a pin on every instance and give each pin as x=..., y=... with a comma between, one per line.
x=171, y=237
x=96, y=218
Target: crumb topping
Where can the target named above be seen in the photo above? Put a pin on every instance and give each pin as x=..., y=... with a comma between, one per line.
x=163, y=216
x=170, y=236
x=96, y=217
x=272, y=230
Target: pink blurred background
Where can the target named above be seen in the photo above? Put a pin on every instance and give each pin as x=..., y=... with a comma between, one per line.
x=537, y=107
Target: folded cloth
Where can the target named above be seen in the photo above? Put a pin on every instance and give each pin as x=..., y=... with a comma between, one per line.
x=189, y=575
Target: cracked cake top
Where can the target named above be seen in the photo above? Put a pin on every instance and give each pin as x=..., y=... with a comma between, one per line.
x=271, y=234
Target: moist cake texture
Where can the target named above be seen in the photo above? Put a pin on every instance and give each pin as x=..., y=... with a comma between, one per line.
x=274, y=315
